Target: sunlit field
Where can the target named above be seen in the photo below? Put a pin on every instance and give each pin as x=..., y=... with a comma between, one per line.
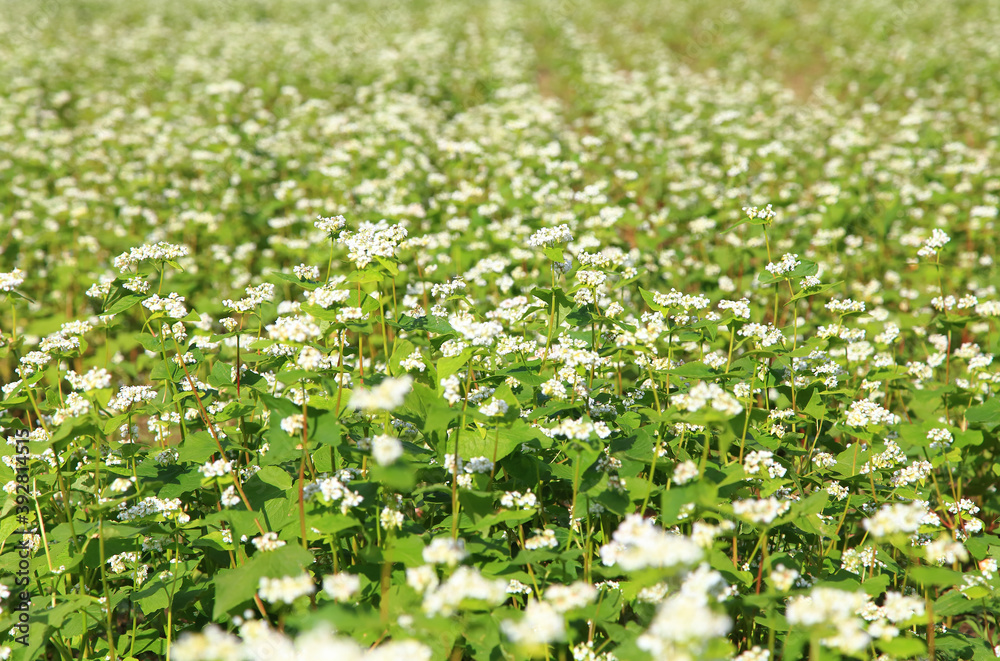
x=499, y=330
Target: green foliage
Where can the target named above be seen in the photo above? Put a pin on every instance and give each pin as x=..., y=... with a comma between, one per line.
x=655, y=330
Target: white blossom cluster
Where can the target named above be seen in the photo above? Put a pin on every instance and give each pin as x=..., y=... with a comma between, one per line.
x=298, y=328
x=466, y=583
x=765, y=334
x=675, y=299
x=931, y=246
x=550, y=236
x=158, y=252
x=267, y=542
x=639, y=543
x=762, y=459
x=542, y=539
x=257, y=641
x=445, y=551
x=151, y=506
x=516, y=499
x=787, y=264
x=766, y=214
x=371, y=241
x=896, y=518
x=332, y=489
x=704, y=394
x=285, y=589
x=341, y=586
x=129, y=395
x=865, y=412
x=386, y=396
x=740, y=308
x=217, y=468
x=386, y=449
x=255, y=297
x=761, y=510
x=11, y=280
x=686, y=622
x=331, y=224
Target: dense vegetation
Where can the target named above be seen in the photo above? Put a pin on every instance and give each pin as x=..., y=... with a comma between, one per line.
x=499, y=330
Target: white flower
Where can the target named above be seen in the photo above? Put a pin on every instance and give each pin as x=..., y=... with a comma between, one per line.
x=639, y=543
x=896, y=518
x=568, y=597
x=372, y=241
x=341, y=586
x=306, y=272
x=550, y=236
x=783, y=578
x=129, y=395
x=786, y=265
x=945, y=550
x=386, y=449
x=229, y=497
x=683, y=626
x=12, y=280
x=122, y=484
x=931, y=246
x=422, y=578
x=763, y=510
x=391, y=519
x=268, y=542
x=387, y=395
x=685, y=472
x=465, y=583
x=445, y=551
x=513, y=499
x=285, y=589
x=299, y=328
x=293, y=424
x=545, y=539
x=159, y=252
x=866, y=412
x=766, y=214
x=216, y=468
x=97, y=378
x=331, y=224
x=541, y=624
x=495, y=407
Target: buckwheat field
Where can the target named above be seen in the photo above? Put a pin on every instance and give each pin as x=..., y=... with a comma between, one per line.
x=431, y=331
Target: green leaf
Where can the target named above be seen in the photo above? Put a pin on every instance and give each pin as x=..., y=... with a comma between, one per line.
x=563, y=304
x=400, y=476
x=903, y=647
x=936, y=575
x=650, y=299
x=448, y=365
x=430, y=324
x=428, y=411
x=805, y=293
x=967, y=438
x=693, y=370
x=555, y=254
x=400, y=352
x=220, y=377
x=274, y=476
x=124, y=303
x=986, y=415
x=501, y=440
x=407, y=550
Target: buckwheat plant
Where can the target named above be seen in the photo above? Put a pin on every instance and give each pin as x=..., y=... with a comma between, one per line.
x=407, y=330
